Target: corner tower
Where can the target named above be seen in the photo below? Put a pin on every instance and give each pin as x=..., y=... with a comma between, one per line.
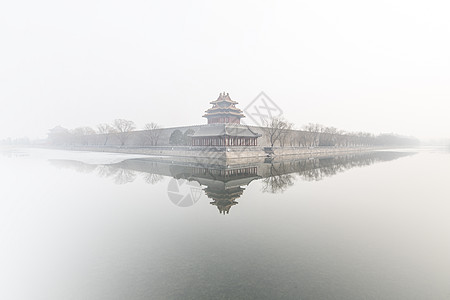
x=224, y=111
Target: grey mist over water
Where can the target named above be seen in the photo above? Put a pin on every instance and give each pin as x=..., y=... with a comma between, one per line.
x=80, y=225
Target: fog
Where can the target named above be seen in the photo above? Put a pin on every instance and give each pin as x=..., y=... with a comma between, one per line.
x=379, y=66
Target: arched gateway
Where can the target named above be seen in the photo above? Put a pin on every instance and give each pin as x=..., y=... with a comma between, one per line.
x=224, y=126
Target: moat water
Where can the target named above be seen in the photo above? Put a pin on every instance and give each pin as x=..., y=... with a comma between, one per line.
x=80, y=225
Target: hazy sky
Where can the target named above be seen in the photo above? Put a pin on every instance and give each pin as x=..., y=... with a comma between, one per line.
x=377, y=66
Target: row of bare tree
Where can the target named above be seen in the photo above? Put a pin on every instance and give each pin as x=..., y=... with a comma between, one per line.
x=280, y=132
x=119, y=129
x=277, y=131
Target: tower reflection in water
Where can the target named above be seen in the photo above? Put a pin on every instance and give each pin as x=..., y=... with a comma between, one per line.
x=224, y=186
x=225, y=182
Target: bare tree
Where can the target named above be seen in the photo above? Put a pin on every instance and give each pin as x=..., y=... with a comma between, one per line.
x=313, y=133
x=328, y=136
x=341, y=138
x=83, y=131
x=299, y=138
x=123, y=128
x=286, y=137
x=80, y=135
x=152, y=133
x=59, y=136
x=309, y=134
x=122, y=125
x=176, y=138
x=105, y=130
x=276, y=130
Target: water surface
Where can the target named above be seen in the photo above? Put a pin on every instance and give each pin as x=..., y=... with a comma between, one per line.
x=80, y=225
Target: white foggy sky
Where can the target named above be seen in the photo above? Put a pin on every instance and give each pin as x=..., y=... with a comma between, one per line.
x=376, y=66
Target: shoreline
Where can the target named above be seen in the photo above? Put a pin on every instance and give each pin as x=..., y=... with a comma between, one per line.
x=222, y=153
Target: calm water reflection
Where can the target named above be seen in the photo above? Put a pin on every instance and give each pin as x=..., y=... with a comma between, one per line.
x=225, y=183
x=108, y=226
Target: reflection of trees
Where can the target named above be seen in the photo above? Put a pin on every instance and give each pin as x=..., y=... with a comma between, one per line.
x=124, y=176
x=310, y=170
x=73, y=164
x=105, y=170
x=278, y=181
x=152, y=178
x=121, y=172
x=277, y=176
x=319, y=168
x=120, y=176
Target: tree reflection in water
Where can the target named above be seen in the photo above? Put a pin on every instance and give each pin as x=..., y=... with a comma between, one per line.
x=280, y=174
x=151, y=178
x=120, y=176
x=278, y=181
x=75, y=165
x=225, y=184
x=320, y=168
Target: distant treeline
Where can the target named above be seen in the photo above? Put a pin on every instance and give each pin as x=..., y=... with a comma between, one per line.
x=278, y=133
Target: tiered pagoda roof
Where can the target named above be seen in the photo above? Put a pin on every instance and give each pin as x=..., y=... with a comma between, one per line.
x=224, y=199
x=224, y=107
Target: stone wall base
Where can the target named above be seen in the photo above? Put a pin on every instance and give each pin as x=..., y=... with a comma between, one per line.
x=223, y=153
